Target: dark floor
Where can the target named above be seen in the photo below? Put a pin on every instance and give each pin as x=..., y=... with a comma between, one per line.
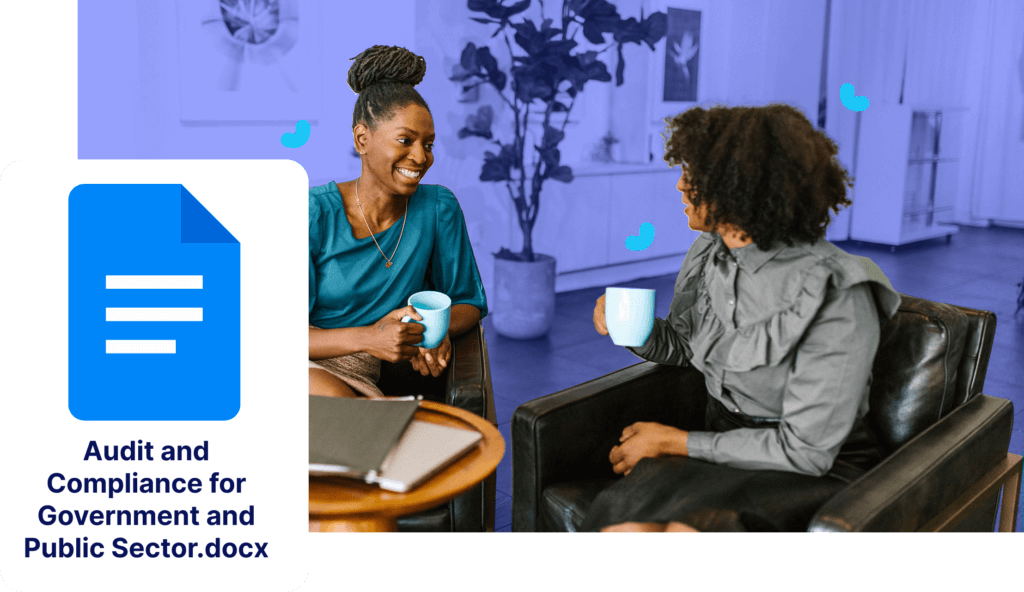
x=980, y=268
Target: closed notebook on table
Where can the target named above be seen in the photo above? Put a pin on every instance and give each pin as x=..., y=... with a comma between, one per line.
x=424, y=450
x=352, y=437
x=377, y=441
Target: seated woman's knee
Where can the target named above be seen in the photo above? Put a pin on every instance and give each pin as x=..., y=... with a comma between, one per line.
x=325, y=384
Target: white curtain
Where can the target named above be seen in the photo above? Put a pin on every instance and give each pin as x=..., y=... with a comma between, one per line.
x=996, y=184
x=938, y=42
x=965, y=54
x=1020, y=70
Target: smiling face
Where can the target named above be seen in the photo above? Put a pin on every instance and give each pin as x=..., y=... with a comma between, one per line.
x=400, y=151
x=696, y=215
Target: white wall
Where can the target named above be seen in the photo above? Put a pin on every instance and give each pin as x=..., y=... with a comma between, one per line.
x=961, y=52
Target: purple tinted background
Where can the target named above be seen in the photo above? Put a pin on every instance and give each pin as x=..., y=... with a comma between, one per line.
x=966, y=54
x=751, y=52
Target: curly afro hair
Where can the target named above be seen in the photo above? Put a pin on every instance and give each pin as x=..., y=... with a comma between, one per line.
x=384, y=77
x=764, y=170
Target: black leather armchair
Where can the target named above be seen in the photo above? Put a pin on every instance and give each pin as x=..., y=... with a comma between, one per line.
x=466, y=384
x=947, y=443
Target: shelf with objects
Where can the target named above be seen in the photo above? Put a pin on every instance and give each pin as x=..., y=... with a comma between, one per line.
x=906, y=183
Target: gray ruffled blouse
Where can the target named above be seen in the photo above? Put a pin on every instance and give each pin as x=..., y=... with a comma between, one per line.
x=789, y=333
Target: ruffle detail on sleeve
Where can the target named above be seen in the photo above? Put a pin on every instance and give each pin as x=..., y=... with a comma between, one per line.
x=768, y=341
x=691, y=305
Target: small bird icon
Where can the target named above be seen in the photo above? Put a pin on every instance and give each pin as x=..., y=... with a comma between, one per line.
x=683, y=51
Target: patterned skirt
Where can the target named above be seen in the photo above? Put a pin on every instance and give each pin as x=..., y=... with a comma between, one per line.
x=361, y=371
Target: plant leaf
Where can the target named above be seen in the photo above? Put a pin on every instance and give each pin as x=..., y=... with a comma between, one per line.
x=468, y=58
x=562, y=173
x=499, y=79
x=466, y=132
x=551, y=158
x=592, y=31
x=655, y=27
x=459, y=74
x=629, y=31
x=494, y=171
x=509, y=255
x=552, y=137
x=480, y=5
x=498, y=167
x=560, y=47
x=486, y=61
x=479, y=123
x=495, y=9
x=516, y=8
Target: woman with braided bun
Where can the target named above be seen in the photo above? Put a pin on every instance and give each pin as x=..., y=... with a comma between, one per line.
x=783, y=325
x=377, y=239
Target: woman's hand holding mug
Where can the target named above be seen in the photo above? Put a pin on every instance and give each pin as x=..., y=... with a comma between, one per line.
x=433, y=361
x=599, y=320
x=394, y=341
x=434, y=310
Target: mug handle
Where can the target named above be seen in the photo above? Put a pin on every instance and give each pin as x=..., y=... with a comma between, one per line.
x=408, y=319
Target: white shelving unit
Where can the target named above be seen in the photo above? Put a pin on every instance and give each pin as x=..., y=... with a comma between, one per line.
x=906, y=181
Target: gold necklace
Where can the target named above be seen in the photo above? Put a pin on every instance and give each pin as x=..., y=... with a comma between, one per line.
x=404, y=218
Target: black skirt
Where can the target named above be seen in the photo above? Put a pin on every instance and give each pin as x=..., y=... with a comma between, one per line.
x=712, y=497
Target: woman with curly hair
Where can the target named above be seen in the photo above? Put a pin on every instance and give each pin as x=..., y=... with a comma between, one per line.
x=379, y=238
x=783, y=325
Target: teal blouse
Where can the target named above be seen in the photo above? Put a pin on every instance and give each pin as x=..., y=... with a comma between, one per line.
x=348, y=283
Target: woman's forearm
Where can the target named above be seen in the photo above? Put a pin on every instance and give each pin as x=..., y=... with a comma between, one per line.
x=463, y=318
x=675, y=444
x=331, y=343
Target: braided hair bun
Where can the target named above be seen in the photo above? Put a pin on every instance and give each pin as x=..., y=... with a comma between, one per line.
x=384, y=77
x=383, y=63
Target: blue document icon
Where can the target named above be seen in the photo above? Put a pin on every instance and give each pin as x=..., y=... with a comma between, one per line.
x=153, y=306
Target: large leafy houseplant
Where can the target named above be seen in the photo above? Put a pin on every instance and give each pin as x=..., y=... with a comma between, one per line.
x=547, y=72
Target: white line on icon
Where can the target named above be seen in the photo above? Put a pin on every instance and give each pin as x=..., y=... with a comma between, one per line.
x=155, y=314
x=151, y=282
x=140, y=346
x=154, y=282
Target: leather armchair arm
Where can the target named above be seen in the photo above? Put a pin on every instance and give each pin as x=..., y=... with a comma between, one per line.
x=568, y=435
x=469, y=379
x=915, y=483
x=465, y=384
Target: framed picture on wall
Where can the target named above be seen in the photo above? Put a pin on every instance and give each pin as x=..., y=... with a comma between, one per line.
x=682, y=55
x=685, y=70
x=249, y=60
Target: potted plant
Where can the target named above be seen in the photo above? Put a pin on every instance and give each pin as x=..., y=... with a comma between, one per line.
x=548, y=69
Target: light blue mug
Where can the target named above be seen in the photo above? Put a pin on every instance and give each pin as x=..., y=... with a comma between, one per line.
x=629, y=315
x=436, y=309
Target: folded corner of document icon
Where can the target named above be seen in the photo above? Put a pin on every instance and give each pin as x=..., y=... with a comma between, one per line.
x=153, y=306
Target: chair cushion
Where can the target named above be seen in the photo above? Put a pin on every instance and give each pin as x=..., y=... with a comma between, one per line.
x=914, y=377
x=564, y=505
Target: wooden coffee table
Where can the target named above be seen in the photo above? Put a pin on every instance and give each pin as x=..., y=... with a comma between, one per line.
x=346, y=505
